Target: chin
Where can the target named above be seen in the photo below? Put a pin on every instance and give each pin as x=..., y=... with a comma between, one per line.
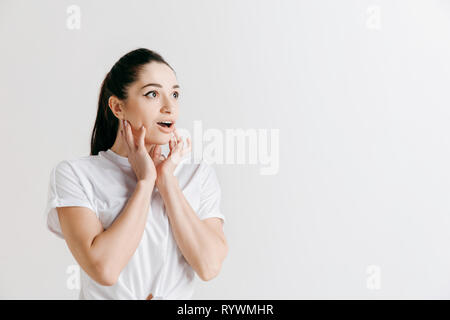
x=159, y=138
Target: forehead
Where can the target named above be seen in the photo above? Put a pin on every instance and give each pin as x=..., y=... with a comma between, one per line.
x=156, y=72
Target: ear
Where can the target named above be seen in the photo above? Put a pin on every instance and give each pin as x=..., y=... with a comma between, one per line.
x=116, y=106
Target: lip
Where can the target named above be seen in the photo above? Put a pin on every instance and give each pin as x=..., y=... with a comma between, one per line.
x=165, y=129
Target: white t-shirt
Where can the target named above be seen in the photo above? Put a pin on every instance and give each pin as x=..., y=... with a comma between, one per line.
x=104, y=183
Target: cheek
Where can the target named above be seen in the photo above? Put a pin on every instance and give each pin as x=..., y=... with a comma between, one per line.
x=148, y=114
x=144, y=117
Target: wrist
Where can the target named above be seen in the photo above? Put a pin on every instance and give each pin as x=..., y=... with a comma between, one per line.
x=165, y=180
x=146, y=183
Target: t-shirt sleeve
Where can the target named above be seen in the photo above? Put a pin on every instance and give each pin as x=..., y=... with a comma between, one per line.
x=64, y=190
x=210, y=194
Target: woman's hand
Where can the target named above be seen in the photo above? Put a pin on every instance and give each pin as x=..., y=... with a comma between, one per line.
x=166, y=166
x=140, y=160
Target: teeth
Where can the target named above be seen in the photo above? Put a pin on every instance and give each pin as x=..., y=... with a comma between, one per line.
x=166, y=124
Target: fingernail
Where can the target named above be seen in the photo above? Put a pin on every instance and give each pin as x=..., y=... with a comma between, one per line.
x=125, y=123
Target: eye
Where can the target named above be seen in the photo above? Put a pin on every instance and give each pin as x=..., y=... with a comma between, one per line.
x=149, y=93
x=177, y=94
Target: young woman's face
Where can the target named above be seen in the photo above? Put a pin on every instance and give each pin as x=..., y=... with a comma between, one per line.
x=151, y=99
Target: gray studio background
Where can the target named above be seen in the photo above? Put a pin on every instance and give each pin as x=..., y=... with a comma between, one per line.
x=359, y=90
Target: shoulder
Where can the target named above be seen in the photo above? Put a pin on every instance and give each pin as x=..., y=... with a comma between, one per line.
x=201, y=173
x=197, y=168
x=76, y=165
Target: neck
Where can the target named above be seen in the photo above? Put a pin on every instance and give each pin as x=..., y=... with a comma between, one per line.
x=120, y=148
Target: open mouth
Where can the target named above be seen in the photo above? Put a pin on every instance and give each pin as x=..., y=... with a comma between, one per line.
x=166, y=124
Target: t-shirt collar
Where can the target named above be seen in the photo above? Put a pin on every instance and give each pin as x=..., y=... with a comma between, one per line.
x=111, y=155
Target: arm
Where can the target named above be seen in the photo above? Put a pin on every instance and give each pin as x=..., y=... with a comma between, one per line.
x=203, y=247
x=104, y=253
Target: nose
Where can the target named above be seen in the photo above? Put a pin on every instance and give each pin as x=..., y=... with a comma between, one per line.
x=168, y=106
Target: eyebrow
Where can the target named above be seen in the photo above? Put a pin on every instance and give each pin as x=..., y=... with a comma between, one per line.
x=158, y=85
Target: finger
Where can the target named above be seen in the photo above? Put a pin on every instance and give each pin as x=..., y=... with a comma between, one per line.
x=172, y=144
x=129, y=135
x=150, y=152
x=157, y=155
x=173, y=140
x=156, y=152
x=176, y=155
x=141, y=141
x=179, y=146
x=187, y=149
x=124, y=135
x=177, y=135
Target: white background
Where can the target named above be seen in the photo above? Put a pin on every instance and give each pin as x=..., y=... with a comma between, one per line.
x=361, y=101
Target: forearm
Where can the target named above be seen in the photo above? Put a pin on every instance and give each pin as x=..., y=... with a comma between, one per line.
x=115, y=246
x=202, y=248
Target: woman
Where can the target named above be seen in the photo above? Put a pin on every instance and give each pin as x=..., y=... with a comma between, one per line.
x=140, y=224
